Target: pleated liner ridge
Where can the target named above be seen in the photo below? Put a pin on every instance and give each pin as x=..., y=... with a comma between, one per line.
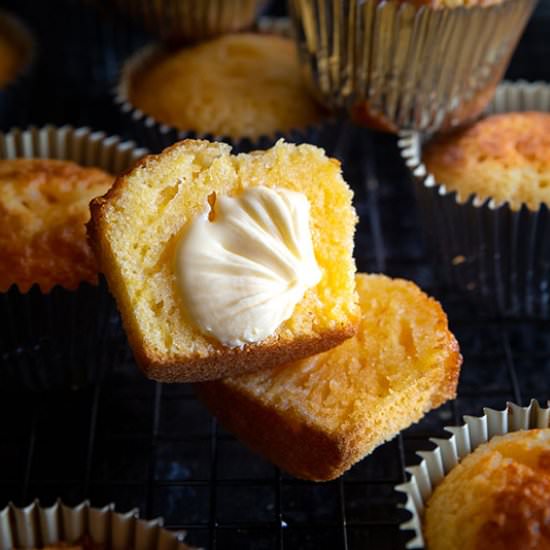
x=404, y=67
x=495, y=255
x=62, y=338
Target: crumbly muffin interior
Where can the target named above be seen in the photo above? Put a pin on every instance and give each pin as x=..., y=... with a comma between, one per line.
x=241, y=85
x=402, y=348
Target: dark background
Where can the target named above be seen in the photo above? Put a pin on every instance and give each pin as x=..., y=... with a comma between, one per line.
x=145, y=445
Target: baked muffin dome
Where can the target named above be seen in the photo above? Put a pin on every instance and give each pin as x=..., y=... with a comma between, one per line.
x=503, y=157
x=497, y=498
x=43, y=211
x=238, y=85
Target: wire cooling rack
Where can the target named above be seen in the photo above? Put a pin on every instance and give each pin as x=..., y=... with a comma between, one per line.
x=151, y=446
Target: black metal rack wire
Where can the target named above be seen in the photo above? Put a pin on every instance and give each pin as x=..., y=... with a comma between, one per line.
x=151, y=446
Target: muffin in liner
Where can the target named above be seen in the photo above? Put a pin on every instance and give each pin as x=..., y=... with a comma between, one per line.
x=436, y=464
x=397, y=66
x=157, y=136
x=14, y=96
x=178, y=21
x=62, y=338
x=497, y=256
x=35, y=526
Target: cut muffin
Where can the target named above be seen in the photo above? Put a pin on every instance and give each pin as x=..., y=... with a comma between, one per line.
x=43, y=212
x=137, y=226
x=504, y=157
x=316, y=417
x=497, y=497
x=239, y=86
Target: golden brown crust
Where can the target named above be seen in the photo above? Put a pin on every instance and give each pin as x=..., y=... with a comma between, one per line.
x=486, y=159
x=243, y=85
x=520, y=515
x=234, y=361
x=43, y=212
x=497, y=498
x=298, y=440
x=303, y=450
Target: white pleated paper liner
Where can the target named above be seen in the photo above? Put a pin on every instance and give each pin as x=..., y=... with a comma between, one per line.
x=498, y=257
x=397, y=66
x=63, y=338
x=436, y=464
x=156, y=136
x=180, y=21
x=36, y=526
x=15, y=95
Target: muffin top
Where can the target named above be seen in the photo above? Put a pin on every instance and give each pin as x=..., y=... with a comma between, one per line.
x=238, y=85
x=497, y=498
x=503, y=157
x=11, y=59
x=43, y=211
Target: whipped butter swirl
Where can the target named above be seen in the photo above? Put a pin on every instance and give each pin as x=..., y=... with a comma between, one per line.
x=245, y=262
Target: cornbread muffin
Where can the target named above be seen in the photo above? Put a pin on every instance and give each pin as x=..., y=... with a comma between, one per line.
x=504, y=157
x=239, y=85
x=137, y=226
x=498, y=497
x=43, y=212
x=316, y=417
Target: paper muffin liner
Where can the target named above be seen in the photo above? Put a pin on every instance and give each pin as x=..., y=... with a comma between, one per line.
x=62, y=338
x=436, y=464
x=178, y=21
x=15, y=95
x=35, y=526
x=157, y=136
x=497, y=256
x=397, y=66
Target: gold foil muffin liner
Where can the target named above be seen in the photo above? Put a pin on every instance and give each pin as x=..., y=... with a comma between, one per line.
x=436, y=464
x=157, y=136
x=497, y=256
x=62, y=338
x=14, y=96
x=397, y=66
x=35, y=526
x=179, y=21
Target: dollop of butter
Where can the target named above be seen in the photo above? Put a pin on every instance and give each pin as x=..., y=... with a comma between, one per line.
x=245, y=262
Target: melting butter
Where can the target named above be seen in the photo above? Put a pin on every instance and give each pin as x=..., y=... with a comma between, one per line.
x=242, y=270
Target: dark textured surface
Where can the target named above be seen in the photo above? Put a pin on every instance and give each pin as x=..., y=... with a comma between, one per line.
x=144, y=445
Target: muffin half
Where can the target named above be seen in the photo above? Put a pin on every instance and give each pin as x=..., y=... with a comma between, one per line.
x=315, y=418
x=224, y=264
